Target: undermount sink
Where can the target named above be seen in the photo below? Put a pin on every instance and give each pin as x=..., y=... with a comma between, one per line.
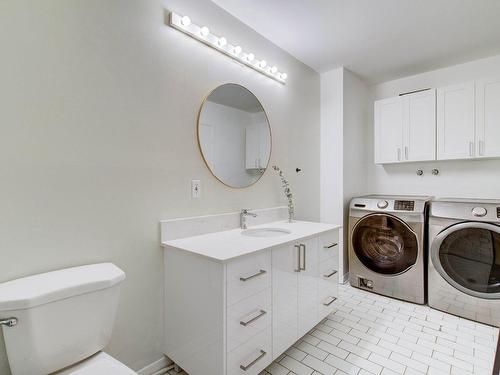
x=266, y=232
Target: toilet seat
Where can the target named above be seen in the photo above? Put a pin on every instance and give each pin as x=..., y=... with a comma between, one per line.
x=99, y=364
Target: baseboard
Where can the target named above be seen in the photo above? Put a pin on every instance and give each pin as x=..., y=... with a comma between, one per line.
x=345, y=278
x=155, y=366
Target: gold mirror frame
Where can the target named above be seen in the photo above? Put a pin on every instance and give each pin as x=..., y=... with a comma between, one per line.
x=205, y=99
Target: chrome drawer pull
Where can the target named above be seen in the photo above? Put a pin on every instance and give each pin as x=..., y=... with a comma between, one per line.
x=261, y=272
x=303, y=247
x=262, y=354
x=261, y=314
x=330, y=246
x=330, y=274
x=329, y=303
x=298, y=247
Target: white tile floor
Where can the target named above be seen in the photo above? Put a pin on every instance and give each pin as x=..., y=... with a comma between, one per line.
x=374, y=335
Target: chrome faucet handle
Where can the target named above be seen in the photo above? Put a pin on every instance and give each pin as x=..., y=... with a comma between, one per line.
x=9, y=322
x=247, y=212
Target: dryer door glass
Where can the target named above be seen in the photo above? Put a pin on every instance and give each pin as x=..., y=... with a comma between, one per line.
x=385, y=244
x=471, y=258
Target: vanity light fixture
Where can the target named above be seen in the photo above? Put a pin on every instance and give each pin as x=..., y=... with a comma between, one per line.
x=204, y=31
x=220, y=43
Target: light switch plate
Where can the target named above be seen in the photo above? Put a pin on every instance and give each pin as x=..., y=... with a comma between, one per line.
x=195, y=188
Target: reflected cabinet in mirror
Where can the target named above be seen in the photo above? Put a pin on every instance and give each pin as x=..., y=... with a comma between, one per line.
x=234, y=135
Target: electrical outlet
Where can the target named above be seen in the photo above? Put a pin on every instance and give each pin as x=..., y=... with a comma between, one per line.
x=195, y=188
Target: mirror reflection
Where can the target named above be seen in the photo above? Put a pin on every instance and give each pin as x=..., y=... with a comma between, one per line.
x=234, y=135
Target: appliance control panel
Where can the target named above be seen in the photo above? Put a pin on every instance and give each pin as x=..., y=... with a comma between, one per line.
x=498, y=212
x=404, y=205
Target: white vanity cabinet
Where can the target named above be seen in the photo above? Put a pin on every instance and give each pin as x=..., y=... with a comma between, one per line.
x=304, y=287
x=234, y=316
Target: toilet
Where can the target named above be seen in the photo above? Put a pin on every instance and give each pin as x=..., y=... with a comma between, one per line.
x=62, y=320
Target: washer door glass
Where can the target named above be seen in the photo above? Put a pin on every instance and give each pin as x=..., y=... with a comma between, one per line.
x=469, y=255
x=385, y=244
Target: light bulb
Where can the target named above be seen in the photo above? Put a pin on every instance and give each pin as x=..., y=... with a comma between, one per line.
x=263, y=64
x=204, y=31
x=283, y=76
x=185, y=21
x=274, y=70
x=237, y=50
x=250, y=57
x=222, y=41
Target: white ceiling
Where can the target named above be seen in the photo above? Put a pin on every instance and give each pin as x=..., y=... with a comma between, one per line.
x=378, y=40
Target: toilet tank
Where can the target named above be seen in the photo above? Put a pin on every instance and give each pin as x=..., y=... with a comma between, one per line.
x=62, y=316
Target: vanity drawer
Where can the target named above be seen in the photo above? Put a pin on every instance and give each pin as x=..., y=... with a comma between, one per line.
x=252, y=357
x=247, y=318
x=328, y=267
x=329, y=245
x=247, y=276
x=327, y=305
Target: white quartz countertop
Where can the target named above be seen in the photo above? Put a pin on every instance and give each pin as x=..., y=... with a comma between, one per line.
x=226, y=245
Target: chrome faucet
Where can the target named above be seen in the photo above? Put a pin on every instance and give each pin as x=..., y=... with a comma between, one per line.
x=243, y=217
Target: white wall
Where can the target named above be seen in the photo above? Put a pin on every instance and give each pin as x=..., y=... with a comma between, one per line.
x=98, y=141
x=357, y=104
x=476, y=179
x=344, y=115
x=332, y=109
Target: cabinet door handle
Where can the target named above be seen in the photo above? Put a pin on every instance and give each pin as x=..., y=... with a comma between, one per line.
x=329, y=303
x=471, y=148
x=399, y=154
x=246, y=367
x=303, y=247
x=406, y=152
x=481, y=148
x=261, y=314
x=330, y=246
x=298, y=258
x=330, y=274
x=261, y=272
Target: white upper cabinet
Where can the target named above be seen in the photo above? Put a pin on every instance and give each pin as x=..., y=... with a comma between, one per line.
x=405, y=128
x=388, y=130
x=257, y=146
x=420, y=126
x=455, y=122
x=488, y=118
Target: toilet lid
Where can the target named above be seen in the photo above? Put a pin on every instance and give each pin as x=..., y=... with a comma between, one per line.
x=98, y=364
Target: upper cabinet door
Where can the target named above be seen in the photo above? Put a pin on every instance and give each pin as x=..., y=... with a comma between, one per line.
x=420, y=126
x=488, y=118
x=388, y=130
x=455, y=122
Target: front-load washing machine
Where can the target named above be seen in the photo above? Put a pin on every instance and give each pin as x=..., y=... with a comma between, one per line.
x=387, y=245
x=464, y=258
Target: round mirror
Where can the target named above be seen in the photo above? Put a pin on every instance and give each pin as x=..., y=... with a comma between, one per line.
x=234, y=136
